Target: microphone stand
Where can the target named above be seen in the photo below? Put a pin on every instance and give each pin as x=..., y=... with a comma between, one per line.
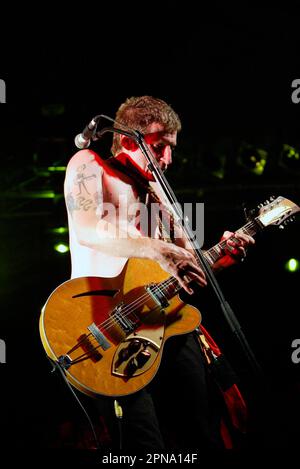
x=174, y=205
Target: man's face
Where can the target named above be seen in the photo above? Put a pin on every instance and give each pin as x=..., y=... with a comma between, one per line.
x=161, y=144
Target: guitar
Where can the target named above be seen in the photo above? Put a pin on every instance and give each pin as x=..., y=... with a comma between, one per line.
x=108, y=333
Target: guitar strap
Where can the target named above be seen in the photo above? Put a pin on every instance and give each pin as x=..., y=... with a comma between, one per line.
x=164, y=217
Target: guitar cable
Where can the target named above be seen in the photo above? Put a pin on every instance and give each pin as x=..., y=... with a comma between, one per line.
x=119, y=415
x=57, y=366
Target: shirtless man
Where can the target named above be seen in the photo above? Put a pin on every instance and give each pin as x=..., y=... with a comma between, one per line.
x=104, y=234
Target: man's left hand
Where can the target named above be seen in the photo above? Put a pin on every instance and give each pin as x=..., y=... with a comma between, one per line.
x=235, y=248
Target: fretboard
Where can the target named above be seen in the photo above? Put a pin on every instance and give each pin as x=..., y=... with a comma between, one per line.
x=170, y=287
x=213, y=254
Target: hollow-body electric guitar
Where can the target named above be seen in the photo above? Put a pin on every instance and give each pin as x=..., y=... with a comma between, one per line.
x=108, y=333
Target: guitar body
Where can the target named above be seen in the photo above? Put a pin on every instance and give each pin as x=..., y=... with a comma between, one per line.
x=109, y=333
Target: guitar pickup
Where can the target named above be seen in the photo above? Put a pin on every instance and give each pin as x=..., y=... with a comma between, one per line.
x=157, y=295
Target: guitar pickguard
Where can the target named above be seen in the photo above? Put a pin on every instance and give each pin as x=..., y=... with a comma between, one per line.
x=137, y=353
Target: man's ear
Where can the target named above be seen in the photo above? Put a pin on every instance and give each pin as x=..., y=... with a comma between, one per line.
x=128, y=143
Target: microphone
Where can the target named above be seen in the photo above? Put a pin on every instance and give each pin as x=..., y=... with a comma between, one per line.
x=83, y=140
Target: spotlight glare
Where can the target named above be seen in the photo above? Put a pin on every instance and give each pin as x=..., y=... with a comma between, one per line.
x=292, y=265
x=61, y=248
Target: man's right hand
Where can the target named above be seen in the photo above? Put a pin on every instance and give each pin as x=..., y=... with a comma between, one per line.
x=181, y=264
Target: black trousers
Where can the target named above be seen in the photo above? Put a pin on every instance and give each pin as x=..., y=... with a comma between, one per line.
x=180, y=409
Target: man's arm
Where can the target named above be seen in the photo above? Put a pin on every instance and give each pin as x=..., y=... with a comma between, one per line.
x=98, y=229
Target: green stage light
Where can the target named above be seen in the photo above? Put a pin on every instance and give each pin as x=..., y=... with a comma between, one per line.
x=41, y=195
x=61, y=248
x=292, y=265
x=252, y=158
x=290, y=158
x=59, y=230
x=56, y=169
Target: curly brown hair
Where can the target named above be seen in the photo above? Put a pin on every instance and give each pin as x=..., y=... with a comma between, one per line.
x=140, y=112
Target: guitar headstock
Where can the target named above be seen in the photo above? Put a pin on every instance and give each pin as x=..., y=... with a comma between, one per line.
x=277, y=212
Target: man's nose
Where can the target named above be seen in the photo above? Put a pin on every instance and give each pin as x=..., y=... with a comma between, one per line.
x=167, y=156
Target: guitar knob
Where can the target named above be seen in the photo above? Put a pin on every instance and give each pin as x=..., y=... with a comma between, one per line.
x=123, y=354
x=132, y=366
x=134, y=346
x=143, y=357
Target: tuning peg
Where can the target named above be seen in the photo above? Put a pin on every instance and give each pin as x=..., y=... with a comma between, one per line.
x=246, y=214
x=249, y=214
x=272, y=198
x=281, y=227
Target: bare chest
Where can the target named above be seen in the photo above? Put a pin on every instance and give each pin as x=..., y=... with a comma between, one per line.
x=124, y=196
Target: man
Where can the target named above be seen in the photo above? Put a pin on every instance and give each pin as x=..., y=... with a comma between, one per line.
x=180, y=407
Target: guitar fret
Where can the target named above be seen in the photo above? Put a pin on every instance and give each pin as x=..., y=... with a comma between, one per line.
x=209, y=257
x=250, y=229
x=171, y=286
x=216, y=252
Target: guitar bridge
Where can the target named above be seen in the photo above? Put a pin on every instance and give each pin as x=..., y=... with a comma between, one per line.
x=99, y=336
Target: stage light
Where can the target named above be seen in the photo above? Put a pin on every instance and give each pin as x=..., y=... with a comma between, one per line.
x=59, y=230
x=62, y=248
x=252, y=158
x=43, y=194
x=292, y=265
x=56, y=169
x=289, y=158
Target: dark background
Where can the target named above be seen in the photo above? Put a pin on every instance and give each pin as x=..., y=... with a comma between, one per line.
x=228, y=74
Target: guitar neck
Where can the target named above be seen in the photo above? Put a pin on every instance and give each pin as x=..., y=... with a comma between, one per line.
x=213, y=254
x=171, y=286
x=276, y=212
